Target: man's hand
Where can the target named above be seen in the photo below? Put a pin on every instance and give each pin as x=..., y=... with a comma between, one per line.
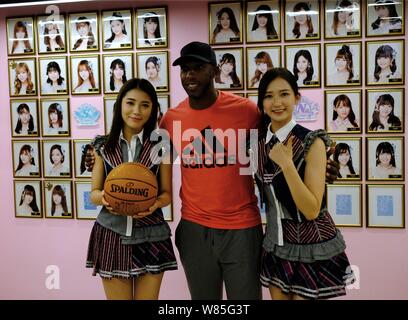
x=333, y=167
x=90, y=160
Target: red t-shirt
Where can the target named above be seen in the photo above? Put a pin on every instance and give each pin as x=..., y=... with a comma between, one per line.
x=213, y=193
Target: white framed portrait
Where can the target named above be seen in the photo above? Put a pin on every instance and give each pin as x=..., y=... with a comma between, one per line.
x=385, y=18
x=83, y=32
x=26, y=159
x=117, y=69
x=348, y=154
x=151, y=28
x=260, y=60
x=343, y=64
x=343, y=111
x=22, y=77
x=385, y=158
x=230, y=70
x=302, y=20
x=385, y=110
x=153, y=66
x=55, y=117
x=385, y=206
x=304, y=62
x=342, y=19
x=108, y=104
x=27, y=199
x=56, y=158
x=24, y=118
x=82, y=148
x=85, y=75
x=225, y=23
x=263, y=21
x=57, y=196
x=84, y=208
x=385, y=62
x=51, y=34
x=117, y=29
x=53, y=76
x=20, y=36
x=344, y=202
x=164, y=105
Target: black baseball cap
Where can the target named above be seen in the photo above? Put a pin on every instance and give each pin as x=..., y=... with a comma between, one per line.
x=196, y=50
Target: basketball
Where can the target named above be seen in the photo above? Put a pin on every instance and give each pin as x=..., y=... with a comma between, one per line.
x=130, y=188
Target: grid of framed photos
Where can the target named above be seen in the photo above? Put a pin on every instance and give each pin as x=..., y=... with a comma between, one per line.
x=80, y=54
x=362, y=78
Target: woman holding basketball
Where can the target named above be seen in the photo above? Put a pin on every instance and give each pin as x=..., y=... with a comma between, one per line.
x=131, y=253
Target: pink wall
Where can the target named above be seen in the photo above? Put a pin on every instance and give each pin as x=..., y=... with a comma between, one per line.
x=28, y=246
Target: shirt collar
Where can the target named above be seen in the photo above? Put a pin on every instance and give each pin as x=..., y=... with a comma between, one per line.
x=282, y=133
x=133, y=139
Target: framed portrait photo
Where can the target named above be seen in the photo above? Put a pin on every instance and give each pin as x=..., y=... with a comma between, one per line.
x=343, y=111
x=225, y=23
x=385, y=62
x=348, y=154
x=343, y=64
x=82, y=147
x=108, y=104
x=260, y=60
x=22, y=77
x=153, y=66
x=117, y=30
x=117, y=69
x=342, y=19
x=385, y=158
x=56, y=158
x=263, y=21
x=344, y=202
x=304, y=62
x=302, y=20
x=20, y=36
x=27, y=199
x=385, y=18
x=83, y=32
x=85, y=74
x=26, y=159
x=55, y=117
x=385, y=206
x=57, y=196
x=24, y=118
x=385, y=110
x=84, y=208
x=51, y=34
x=164, y=105
x=230, y=69
x=53, y=76
x=151, y=28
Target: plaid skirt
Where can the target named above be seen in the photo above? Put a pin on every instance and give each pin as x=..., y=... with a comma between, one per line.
x=112, y=259
x=317, y=280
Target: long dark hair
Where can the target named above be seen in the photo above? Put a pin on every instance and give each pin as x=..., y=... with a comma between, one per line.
x=55, y=108
x=118, y=17
x=19, y=126
x=309, y=70
x=387, y=52
x=346, y=100
x=154, y=18
x=392, y=118
x=21, y=25
x=85, y=149
x=233, y=22
x=267, y=78
x=228, y=58
x=54, y=66
x=393, y=17
x=91, y=37
x=270, y=28
x=343, y=148
x=29, y=190
x=385, y=147
x=117, y=121
x=26, y=148
x=345, y=53
x=296, y=28
x=59, y=191
x=121, y=64
x=59, y=148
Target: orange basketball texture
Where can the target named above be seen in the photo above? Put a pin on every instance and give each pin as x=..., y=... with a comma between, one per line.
x=130, y=188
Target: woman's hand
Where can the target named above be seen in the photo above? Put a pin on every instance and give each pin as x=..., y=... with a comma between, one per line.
x=107, y=205
x=152, y=209
x=281, y=154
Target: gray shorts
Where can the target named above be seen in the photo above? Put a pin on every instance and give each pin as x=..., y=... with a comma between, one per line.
x=211, y=257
